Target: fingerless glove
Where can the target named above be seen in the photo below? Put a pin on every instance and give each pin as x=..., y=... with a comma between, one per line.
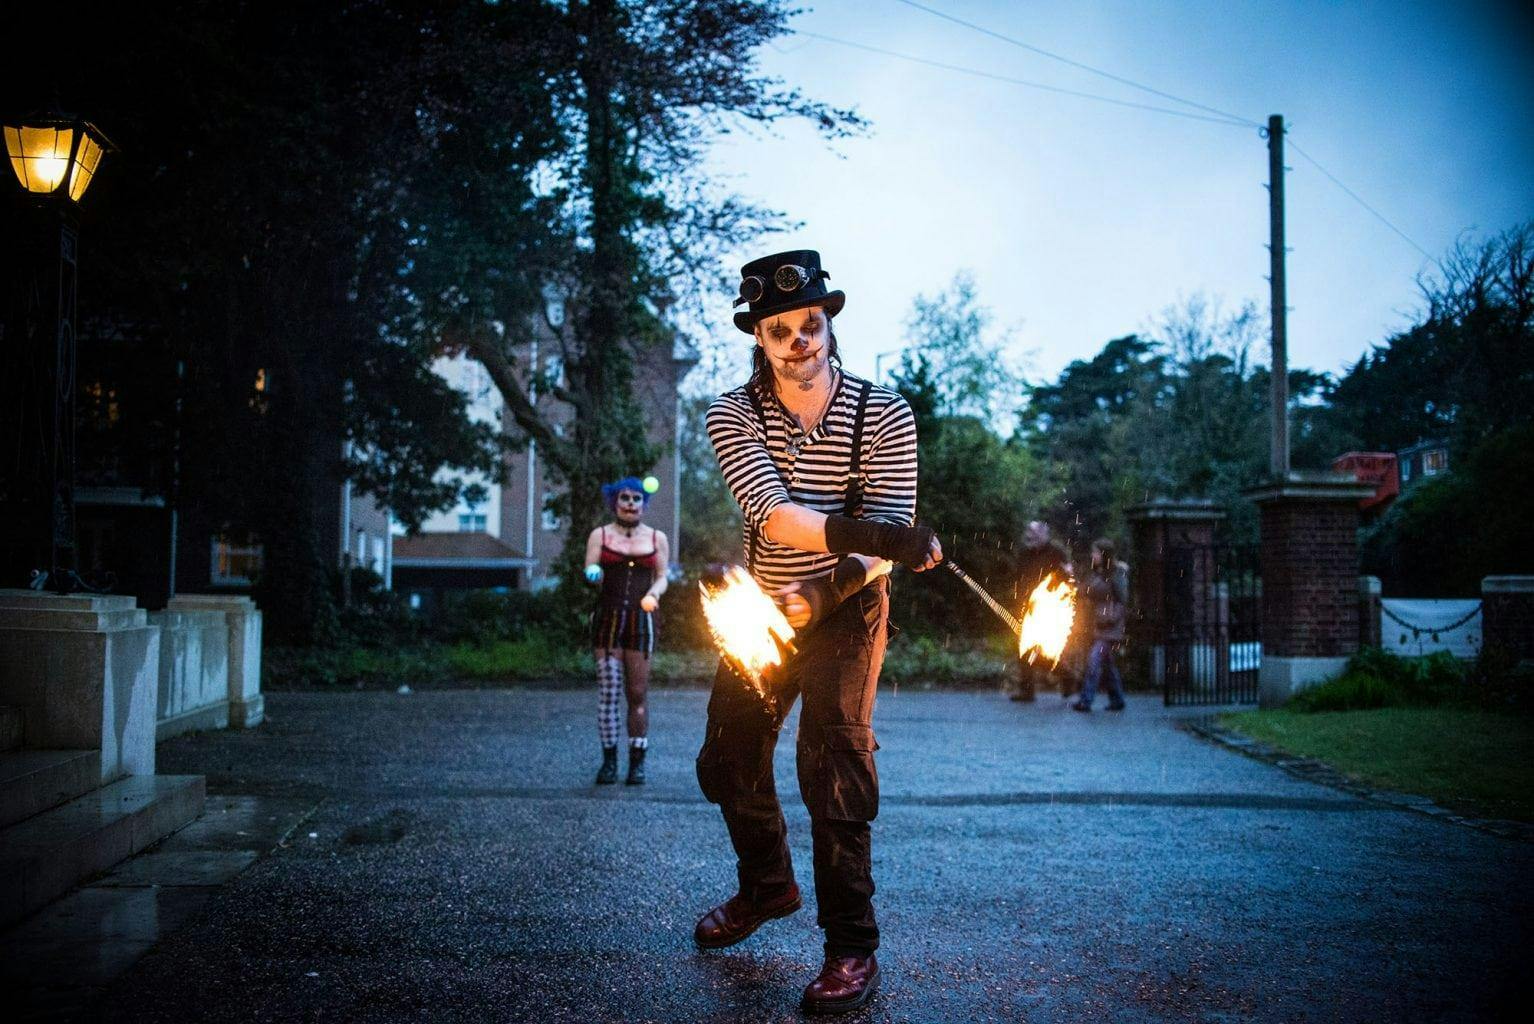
x=908, y=545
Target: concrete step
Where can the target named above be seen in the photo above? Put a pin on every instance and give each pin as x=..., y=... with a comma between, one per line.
x=32, y=781
x=50, y=853
x=11, y=722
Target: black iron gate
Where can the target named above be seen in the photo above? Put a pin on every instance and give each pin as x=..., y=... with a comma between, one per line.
x=1211, y=637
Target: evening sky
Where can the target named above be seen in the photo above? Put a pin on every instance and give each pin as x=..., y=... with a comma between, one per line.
x=1082, y=220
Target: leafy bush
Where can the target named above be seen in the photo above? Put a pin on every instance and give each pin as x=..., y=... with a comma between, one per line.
x=1378, y=679
x=376, y=616
x=486, y=617
x=533, y=657
x=345, y=666
x=1501, y=681
x=925, y=661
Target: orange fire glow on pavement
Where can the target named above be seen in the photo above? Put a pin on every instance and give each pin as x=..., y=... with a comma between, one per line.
x=1047, y=619
x=747, y=626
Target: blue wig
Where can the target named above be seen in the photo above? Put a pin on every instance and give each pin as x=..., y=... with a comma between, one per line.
x=628, y=483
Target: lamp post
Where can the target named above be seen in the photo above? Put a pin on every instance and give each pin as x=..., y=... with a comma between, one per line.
x=54, y=158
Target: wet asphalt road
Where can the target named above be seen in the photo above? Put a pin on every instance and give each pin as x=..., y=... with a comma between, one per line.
x=1033, y=864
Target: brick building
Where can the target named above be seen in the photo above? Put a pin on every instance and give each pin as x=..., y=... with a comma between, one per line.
x=511, y=538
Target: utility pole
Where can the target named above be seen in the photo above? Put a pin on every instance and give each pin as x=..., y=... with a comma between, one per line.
x=1279, y=456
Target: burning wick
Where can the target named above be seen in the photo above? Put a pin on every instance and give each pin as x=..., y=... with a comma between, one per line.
x=747, y=626
x=1047, y=619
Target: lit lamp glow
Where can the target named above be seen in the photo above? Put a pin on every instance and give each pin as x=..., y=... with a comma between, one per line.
x=53, y=156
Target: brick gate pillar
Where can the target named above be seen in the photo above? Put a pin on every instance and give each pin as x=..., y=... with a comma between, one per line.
x=1310, y=620
x=1507, y=615
x=1156, y=526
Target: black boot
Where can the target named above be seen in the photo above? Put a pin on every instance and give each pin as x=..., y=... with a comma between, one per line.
x=608, y=773
x=636, y=767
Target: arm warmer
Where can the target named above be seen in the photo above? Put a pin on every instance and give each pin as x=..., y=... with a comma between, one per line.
x=825, y=593
x=908, y=545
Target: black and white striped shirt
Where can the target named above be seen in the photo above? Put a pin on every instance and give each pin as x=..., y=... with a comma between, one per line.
x=762, y=472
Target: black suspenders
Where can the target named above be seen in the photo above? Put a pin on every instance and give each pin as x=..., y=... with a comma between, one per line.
x=855, y=471
x=854, y=498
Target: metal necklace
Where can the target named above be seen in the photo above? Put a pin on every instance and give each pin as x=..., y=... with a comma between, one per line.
x=801, y=435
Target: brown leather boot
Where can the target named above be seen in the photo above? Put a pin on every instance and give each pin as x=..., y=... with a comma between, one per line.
x=737, y=917
x=845, y=983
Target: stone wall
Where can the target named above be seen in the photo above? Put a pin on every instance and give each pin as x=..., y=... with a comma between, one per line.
x=193, y=672
x=82, y=668
x=243, y=623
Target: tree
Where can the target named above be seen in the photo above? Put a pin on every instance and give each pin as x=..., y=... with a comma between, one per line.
x=640, y=91
x=1181, y=413
x=1464, y=371
x=253, y=223
x=978, y=489
x=1081, y=424
x=1447, y=533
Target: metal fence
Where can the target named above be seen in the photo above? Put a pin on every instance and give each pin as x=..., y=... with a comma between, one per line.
x=1211, y=629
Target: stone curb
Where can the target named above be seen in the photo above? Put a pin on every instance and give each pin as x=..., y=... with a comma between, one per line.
x=1312, y=770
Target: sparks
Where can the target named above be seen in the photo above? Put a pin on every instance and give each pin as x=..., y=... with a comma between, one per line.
x=747, y=626
x=1047, y=619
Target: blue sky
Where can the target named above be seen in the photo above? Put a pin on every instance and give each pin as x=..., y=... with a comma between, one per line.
x=1082, y=221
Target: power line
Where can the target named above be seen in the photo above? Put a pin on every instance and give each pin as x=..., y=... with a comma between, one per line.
x=1078, y=64
x=1359, y=200
x=1222, y=119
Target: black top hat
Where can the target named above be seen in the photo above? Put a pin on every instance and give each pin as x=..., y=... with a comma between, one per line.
x=783, y=281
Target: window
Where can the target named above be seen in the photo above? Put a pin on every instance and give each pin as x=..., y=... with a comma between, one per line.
x=101, y=403
x=1434, y=462
x=237, y=560
x=471, y=522
x=551, y=520
x=1405, y=469
x=362, y=549
x=260, y=394
x=378, y=556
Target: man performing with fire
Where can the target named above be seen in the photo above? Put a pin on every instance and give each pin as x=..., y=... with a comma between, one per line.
x=823, y=465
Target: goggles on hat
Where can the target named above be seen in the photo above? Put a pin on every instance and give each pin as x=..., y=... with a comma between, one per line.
x=789, y=277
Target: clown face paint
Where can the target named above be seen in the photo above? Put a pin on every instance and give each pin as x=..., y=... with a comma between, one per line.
x=797, y=343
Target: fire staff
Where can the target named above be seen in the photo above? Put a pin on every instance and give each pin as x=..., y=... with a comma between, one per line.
x=823, y=465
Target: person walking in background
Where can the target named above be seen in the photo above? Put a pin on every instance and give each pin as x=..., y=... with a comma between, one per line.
x=1039, y=558
x=627, y=560
x=1107, y=593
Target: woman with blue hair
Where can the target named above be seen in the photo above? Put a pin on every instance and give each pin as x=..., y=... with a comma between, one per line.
x=627, y=560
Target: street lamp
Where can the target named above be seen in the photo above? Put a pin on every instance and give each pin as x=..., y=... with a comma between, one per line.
x=54, y=155
x=879, y=363
x=54, y=158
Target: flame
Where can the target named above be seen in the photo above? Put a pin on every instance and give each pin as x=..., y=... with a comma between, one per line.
x=1047, y=619
x=747, y=626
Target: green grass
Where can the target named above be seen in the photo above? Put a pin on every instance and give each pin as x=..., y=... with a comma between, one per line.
x=1476, y=762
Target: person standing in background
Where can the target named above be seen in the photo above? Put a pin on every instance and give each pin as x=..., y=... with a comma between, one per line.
x=628, y=561
x=1107, y=593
